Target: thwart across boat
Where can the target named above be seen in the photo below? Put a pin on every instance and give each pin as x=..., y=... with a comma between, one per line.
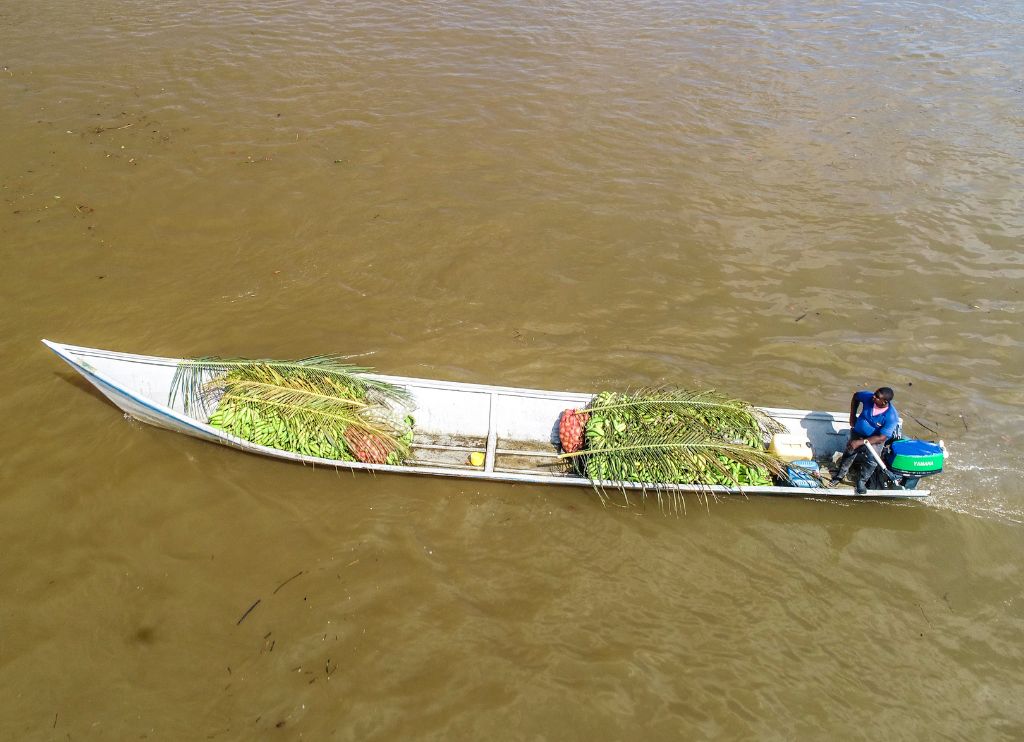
x=472, y=431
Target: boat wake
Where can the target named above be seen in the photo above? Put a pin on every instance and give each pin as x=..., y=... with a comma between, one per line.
x=983, y=486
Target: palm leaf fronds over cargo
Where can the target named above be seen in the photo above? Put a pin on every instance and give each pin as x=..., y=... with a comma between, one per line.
x=672, y=437
x=315, y=406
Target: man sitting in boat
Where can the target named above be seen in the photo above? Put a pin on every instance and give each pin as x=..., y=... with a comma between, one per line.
x=876, y=421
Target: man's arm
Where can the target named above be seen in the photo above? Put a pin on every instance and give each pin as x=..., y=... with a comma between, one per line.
x=874, y=439
x=853, y=409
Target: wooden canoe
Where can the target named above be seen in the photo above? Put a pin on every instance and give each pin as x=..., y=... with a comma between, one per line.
x=515, y=429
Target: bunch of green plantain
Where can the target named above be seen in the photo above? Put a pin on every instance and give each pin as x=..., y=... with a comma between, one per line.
x=314, y=407
x=265, y=428
x=676, y=437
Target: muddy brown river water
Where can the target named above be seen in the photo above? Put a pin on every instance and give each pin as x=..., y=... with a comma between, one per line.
x=785, y=201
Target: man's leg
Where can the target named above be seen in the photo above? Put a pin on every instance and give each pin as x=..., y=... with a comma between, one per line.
x=849, y=457
x=864, y=472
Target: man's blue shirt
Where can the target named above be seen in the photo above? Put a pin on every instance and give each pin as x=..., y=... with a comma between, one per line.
x=868, y=424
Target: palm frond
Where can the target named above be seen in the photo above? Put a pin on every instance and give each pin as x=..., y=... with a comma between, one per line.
x=707, y=407
x=314, y=406
x=665, y=438
x=192, y=377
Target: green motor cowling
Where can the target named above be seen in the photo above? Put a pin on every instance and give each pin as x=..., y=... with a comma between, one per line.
x=916, y=458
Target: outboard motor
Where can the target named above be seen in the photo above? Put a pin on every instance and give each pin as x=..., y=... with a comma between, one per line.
x=910, y=460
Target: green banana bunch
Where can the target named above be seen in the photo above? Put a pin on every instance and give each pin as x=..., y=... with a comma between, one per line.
x=266, y=427
x=675, y=438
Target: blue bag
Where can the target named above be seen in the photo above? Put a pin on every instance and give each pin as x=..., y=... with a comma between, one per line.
x=801, y=474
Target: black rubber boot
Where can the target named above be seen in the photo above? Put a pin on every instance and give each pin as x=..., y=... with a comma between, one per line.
x=847, y=462
x=843, y=469
x=861, y=488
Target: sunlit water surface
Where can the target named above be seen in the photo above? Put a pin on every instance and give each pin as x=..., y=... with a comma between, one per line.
x=785, y=201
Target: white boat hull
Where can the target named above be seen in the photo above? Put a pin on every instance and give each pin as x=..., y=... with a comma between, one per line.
x=515, y=429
